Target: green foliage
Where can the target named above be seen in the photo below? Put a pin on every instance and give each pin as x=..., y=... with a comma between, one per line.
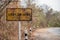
x=54, y=20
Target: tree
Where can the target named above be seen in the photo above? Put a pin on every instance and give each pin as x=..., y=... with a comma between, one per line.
x=8, y=29
x=54, y=20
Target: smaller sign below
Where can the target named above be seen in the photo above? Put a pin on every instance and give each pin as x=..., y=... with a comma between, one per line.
x=19, y=14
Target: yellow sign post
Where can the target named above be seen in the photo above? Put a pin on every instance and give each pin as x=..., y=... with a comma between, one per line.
x=18, y=14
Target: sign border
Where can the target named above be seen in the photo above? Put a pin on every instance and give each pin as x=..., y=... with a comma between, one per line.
x=19, y=20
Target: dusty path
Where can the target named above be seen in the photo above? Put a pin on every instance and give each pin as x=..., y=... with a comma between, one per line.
x=46, y=34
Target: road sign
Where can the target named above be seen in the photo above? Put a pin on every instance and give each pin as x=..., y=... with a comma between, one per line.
x=18, y=14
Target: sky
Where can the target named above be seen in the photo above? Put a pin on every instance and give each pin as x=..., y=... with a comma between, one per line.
x=54, y=4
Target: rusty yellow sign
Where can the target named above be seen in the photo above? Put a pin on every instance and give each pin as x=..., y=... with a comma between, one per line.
x=18, y=14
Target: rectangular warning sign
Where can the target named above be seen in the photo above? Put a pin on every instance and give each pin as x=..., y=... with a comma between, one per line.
x=18, y=14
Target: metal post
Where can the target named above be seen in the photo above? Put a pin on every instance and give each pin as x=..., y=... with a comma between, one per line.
x=19, y=30
x=26, y=34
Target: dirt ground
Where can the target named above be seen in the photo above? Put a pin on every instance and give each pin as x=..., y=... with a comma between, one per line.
x=46, y=34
